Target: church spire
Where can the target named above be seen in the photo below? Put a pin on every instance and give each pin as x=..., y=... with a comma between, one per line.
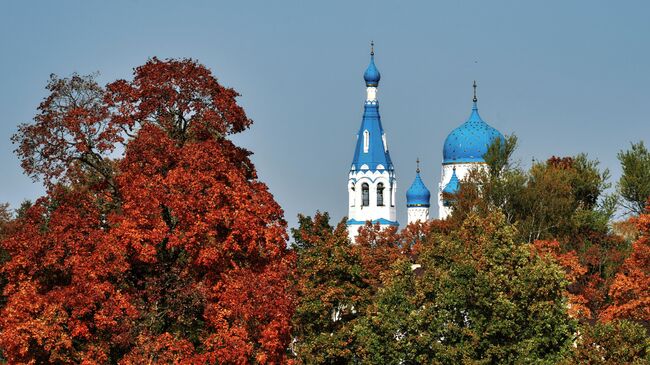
x=371, y=182
x=474, y=100
x=372, y=76
x=372, y=150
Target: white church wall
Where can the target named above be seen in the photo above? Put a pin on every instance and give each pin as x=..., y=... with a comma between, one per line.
x=415, y=214
x=372, y=211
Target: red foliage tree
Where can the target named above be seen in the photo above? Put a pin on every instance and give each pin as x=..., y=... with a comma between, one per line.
x=175, y=252
x=630, y=291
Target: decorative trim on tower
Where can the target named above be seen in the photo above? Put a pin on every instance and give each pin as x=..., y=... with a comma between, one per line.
x=371, y=181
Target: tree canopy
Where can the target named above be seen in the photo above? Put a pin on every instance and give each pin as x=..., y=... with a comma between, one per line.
x=634, y=184
x=173, y=251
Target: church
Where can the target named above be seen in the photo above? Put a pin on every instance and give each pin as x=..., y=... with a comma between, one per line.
x=372, y=183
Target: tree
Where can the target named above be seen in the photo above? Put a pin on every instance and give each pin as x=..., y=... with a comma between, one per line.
x=630, y=291
x=634, y=185
x=478, y=297
x=558, y=205
x=616, y=342
x=336, y=282
x=173, y=252
x=332, y=290
x=6, y=220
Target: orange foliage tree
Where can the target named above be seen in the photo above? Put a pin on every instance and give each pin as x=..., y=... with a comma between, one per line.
x=174, y=252
x=630, y=291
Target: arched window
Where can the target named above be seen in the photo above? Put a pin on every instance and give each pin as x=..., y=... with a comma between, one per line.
x=365, y=195
x=366, y=141
x=380, y=194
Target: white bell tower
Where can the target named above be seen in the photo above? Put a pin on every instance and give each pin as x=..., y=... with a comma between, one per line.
x=371, y=181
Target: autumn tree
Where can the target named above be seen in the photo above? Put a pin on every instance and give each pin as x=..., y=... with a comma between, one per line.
x=612, y=343
x=634, y=184
x=6, y=219
x=336, y=281
x=476, y=296
x=172, y=252
x=630, y=291
x=560, y=205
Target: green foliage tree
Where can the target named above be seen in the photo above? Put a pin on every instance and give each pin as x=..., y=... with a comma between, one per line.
x=561, y=199
x=331, y=290
x=616, y=342
x=479, y=297
x=634, y=184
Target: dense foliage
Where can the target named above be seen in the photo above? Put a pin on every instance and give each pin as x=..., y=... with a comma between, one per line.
x=476, y=296
x=634, y=185
x=172, y=252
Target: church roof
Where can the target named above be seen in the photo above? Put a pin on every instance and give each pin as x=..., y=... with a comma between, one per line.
x=453, y=185
x=371, y=153
x=418, y=195
x=470, y=141
x=372, y=75
x=382, y=221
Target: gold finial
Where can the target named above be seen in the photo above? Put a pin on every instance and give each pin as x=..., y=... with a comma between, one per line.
x=474, y=100
x=372, y=48
x=417, y=162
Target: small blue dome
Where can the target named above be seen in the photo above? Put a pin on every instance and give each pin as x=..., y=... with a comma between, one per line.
x=451, y=188
x=470, y=141
x=372, y=75
x=418, y=195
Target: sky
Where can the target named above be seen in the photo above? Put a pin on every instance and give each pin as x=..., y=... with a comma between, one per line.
x=565, y=76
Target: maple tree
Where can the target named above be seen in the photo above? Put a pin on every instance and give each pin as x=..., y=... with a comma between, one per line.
x=173, y=252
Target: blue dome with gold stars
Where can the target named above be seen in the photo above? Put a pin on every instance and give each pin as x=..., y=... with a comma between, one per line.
x=470, y=141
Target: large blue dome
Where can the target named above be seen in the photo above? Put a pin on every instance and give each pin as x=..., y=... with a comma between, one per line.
x=418, y=195
x=469, y=142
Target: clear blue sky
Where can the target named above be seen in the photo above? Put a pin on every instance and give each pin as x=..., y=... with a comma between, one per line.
x=565, y=76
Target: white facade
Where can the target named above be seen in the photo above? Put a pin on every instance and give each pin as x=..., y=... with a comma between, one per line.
x=379, y=203
x=416, y=214
x=462, y=170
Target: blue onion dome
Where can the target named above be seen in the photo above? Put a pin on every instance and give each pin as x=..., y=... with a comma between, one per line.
x=469, y=142
x=418, y=195
x=452, y=187
x=372, y=75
